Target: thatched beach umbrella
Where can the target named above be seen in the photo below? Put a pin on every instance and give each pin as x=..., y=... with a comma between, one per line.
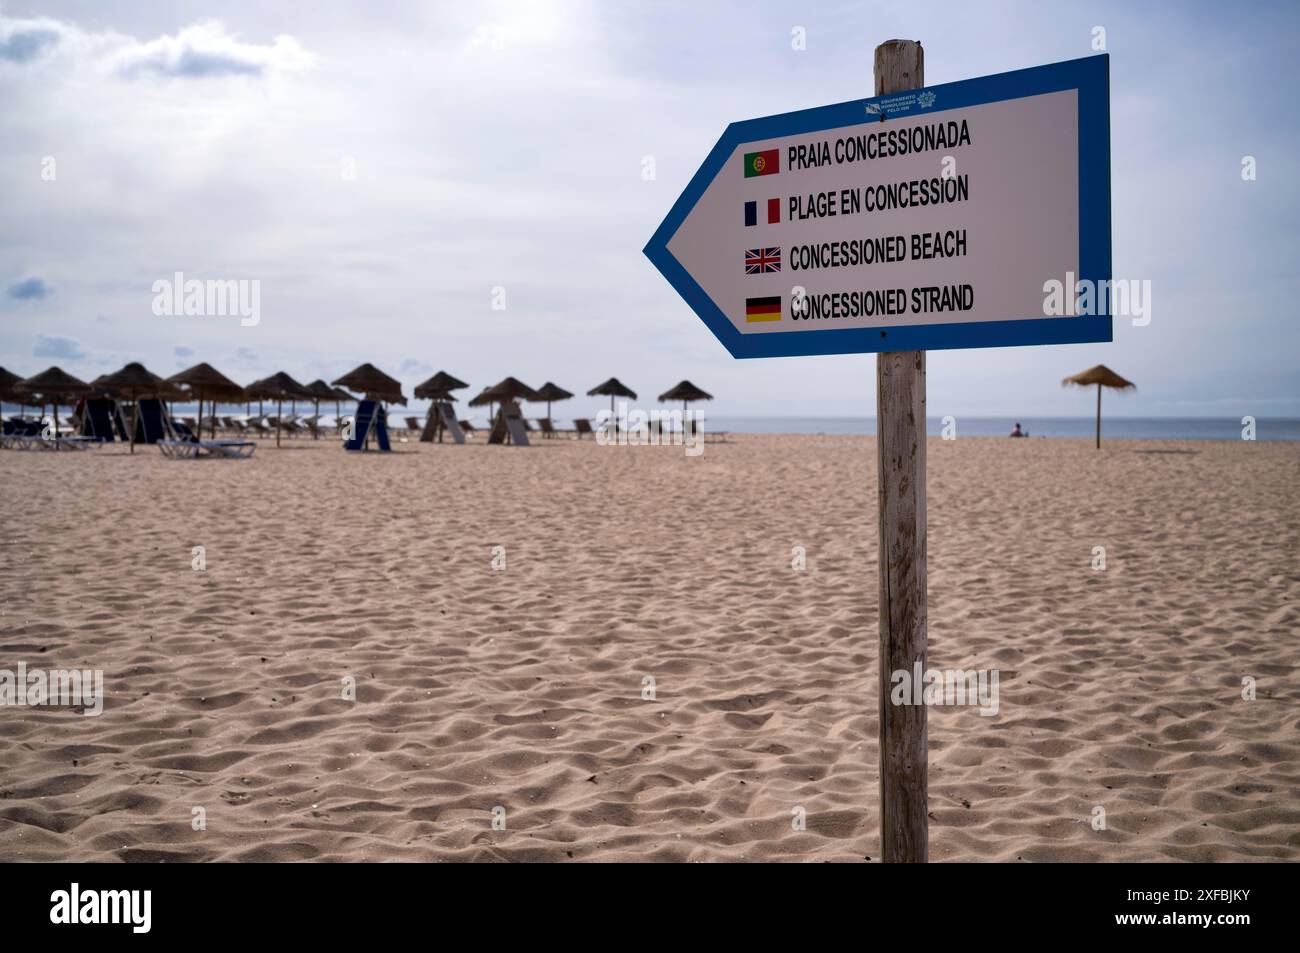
x=320, y=391
x=438, y=388
x=1102, y=376
x=374, y=383
x=510, y=388
x=9, y=382
x=686, y=392
x=341, y=397
x=614, y=388
x=279, y=387
x=130, y=382
x=506, y=390
x=439, y=383
x=204, y=380
x=53, y=383
x=484, y=398
x=549, y=392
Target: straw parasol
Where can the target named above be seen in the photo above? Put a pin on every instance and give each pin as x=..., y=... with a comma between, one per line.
x=686, y=392
x=204, y=380
x=53, y=383
x=131, y=381
x=614, y=388
x=510, y=388
x=374, y=383
x=340, y=395
x=440, y=383
x=484, y=398
x=9, y=387
x=549, y=392
x=321, y=391
x=279, y=387
x=1102, y=376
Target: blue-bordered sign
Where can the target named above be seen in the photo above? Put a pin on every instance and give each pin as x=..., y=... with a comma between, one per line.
x=973, y=214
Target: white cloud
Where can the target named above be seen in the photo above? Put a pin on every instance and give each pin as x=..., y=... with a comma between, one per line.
x=202, y=50
x=207, y=49
x=58, y=347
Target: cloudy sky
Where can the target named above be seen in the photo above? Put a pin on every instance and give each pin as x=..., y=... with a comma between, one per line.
x=380, y=168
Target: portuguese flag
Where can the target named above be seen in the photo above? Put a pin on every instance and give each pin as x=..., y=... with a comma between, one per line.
x=763, y=309
x=767, y=162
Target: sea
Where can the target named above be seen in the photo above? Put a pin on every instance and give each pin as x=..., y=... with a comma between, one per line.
x=1114, y=428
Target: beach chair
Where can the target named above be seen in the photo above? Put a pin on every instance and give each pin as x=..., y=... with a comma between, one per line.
x=151, y=420
x=20, y=432
x=509, y=426
x=181, y=444
x=369, y=418
x=413, y=424
x=582, y=426
x=449, y=421
x=291, y=425
x=468, y=428
x=101, y=420
x=229, y=449
x=547, y=428
x=442, y=419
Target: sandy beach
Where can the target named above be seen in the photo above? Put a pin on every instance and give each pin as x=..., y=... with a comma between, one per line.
x=521, y=688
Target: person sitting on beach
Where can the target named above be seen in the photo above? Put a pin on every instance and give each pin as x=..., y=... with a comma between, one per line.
x=1017, y=432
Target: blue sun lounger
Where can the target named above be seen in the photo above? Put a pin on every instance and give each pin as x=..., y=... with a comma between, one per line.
x=370, y=417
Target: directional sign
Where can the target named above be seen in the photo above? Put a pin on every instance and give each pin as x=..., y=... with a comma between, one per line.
x=936, y=218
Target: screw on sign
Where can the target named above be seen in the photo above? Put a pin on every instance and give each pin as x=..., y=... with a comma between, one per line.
x=919, y=219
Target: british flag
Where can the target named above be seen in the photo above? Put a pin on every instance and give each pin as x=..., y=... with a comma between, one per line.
x=762, y=261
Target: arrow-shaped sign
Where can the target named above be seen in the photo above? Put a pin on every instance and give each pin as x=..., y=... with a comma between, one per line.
x=973, y=214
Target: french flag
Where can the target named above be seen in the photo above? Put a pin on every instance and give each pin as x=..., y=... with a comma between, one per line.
x=773, y=212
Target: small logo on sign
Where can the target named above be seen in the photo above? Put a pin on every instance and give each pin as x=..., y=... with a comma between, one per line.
x=925, y=100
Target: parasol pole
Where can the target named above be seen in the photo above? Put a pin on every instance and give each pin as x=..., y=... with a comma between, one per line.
x=1098, y=443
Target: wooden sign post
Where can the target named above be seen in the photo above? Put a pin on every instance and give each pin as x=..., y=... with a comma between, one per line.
x=920, y=219
x=900, y=477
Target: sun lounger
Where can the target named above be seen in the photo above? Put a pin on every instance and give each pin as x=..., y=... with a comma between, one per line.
x=582, y=426
x=547, y=428
x=509, y=426
x=21, y=433
x=201, y=449
x=151, y=417
x=102, y=420
x=369, y=418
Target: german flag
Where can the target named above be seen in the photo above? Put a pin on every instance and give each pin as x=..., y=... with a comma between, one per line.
x=767, y=162
x=763, y=309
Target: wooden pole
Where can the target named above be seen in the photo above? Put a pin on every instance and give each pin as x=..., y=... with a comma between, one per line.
x=1098, y=446
x=900, y=474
